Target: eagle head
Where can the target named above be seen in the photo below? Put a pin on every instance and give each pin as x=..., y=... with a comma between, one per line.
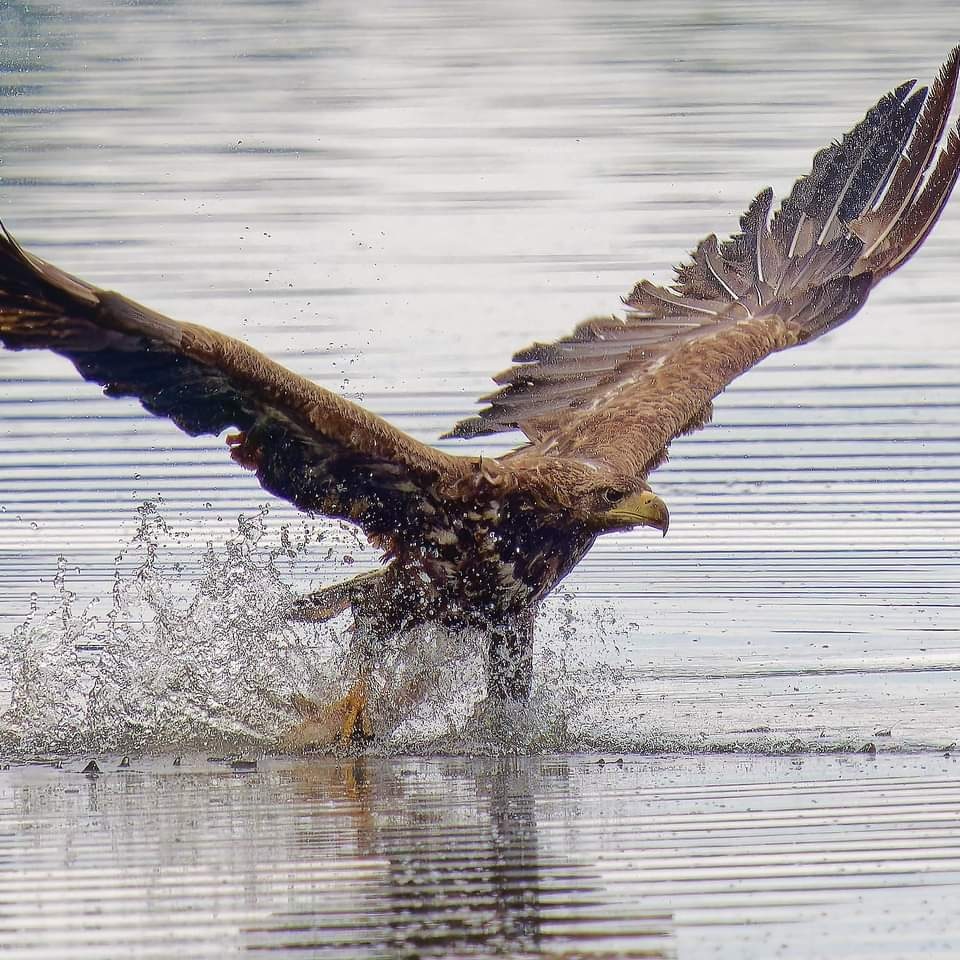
x=615, y=508
x=609, y=500
x=592, y=495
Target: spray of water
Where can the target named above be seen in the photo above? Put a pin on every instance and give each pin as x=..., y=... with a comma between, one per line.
x=172, y=660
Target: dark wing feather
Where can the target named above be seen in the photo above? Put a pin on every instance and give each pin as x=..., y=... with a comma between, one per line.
x=617, y=391
x=307, y=445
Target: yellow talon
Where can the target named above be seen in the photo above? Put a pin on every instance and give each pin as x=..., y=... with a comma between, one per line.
x=356, y=722
x=340, y=723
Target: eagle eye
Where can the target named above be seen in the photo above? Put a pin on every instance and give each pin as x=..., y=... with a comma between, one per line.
x=613, y=496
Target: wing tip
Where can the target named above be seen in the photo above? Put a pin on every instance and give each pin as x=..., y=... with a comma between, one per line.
x=758, y=255
x=464, y=429
x=483, y=425
x=9, y=242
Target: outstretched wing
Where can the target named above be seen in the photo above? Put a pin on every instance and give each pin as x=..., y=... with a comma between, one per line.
x=618, y=391
x=306, y=444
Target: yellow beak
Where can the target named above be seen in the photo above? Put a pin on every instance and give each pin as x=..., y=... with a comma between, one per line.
x=644, y=509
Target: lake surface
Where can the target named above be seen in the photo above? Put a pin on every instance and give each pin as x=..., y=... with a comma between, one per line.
x=550, y=856
x=391, y=199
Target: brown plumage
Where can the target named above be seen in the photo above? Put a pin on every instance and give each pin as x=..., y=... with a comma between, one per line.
x=479, y=542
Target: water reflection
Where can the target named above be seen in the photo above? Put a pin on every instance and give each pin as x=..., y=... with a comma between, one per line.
x=535, y=857
x=338, y=859
x=460, y=872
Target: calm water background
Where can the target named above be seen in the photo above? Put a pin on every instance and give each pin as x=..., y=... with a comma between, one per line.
x=391, y=199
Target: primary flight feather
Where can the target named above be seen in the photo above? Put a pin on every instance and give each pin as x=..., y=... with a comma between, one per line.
x=480, y=542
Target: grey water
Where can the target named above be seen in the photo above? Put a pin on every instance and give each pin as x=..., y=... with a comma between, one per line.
x=391, y=198
x=520, y=857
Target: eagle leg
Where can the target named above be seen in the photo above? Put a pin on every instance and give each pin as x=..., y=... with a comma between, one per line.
x=330, y=602
x=510, y=659
x=341, y=723
x=346, y=721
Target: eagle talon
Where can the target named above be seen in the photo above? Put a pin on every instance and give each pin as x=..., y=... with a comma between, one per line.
x=345, y=722
x=241, y=451
x=356, y=725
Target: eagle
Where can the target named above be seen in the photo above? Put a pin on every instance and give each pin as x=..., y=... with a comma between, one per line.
x=474, y=542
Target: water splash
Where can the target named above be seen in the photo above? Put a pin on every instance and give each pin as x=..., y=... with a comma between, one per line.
x=186, y=655
x=171, y=660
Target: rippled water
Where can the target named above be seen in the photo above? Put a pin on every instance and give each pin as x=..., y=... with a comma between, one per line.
x=391, y=199
x=547, y=856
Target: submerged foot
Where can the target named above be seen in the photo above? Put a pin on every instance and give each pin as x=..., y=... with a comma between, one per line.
x=498, y=724
x=344, y=722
